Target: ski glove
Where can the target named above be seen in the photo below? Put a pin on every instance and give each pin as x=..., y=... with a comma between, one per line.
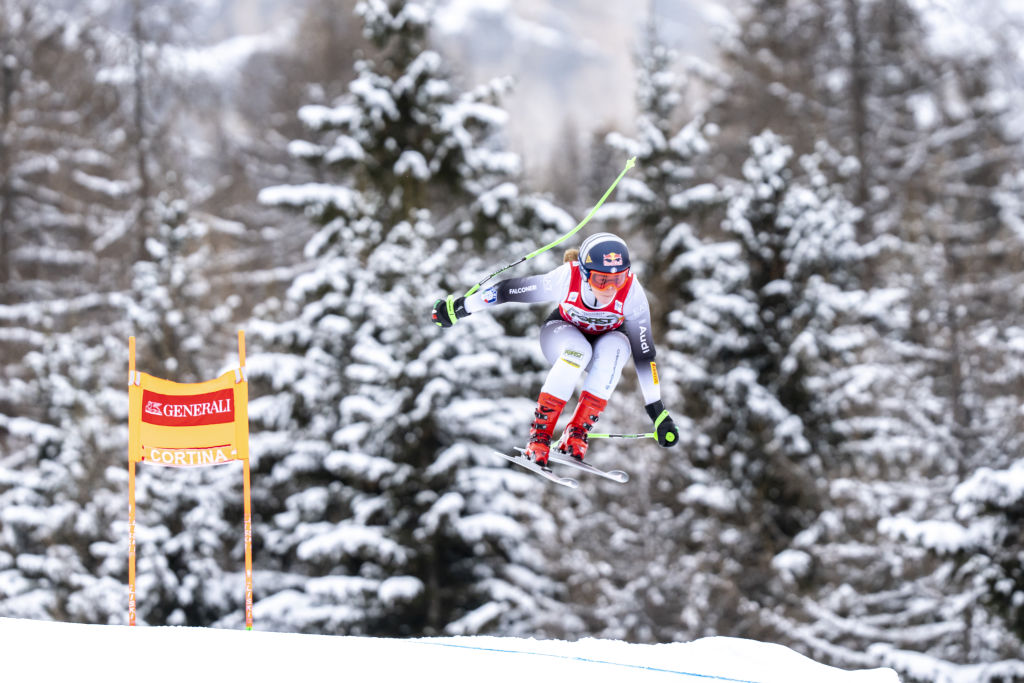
x=664, y=428
x=447, y=311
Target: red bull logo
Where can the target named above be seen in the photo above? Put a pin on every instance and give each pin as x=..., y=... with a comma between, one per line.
x=613, y=259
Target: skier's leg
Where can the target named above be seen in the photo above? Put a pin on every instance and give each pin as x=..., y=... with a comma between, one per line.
x=610, y=353
x=569, y=352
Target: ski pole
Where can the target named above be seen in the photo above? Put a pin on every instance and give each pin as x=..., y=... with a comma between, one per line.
x=629, y=165
x=648, y=435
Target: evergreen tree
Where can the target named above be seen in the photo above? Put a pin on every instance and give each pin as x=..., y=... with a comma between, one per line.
x=769, y=363
x=947, y=514
x=59, y=171
x=928, y=392
x=62, y=532
x=60, y=189
x=632, y=569
x=68, y=110
x=252, y=118
x=768, y=324
x=853, y=73
x=392, y=517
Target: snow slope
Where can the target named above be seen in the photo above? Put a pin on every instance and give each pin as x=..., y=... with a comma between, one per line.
x=56, y=651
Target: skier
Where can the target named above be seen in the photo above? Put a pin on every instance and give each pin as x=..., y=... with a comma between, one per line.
x=602, y=318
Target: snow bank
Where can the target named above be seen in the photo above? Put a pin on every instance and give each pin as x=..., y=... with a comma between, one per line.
x=50, y=651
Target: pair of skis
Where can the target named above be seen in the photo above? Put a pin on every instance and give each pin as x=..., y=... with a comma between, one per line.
x=556, y=457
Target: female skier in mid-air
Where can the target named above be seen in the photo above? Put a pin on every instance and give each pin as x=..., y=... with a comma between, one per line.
x=602, y=318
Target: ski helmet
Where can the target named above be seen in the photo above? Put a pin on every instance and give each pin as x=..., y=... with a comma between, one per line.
x=603, y=252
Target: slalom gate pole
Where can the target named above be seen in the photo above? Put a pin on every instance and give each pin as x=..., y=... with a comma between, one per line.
x=474, y=288
x=247, y=499
x=131, y=495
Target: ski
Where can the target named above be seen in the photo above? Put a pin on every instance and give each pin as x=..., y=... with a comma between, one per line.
x=615, y=475
x=528, y=464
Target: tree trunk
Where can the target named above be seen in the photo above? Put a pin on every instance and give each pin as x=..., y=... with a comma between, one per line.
x=6, y=162
x=142, y=142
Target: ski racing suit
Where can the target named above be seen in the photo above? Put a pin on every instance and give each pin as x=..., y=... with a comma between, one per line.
x=581, y=337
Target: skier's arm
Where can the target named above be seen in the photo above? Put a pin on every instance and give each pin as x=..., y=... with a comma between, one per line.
x=532, y=289
x=528, y=290
x=641, y=340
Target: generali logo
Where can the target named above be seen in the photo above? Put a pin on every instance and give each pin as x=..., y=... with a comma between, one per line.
x=213, y=408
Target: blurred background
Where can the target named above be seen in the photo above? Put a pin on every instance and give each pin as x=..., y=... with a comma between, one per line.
x=826, y=213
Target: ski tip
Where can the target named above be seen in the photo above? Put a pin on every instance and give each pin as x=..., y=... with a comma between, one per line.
x=559, y=479
x=619, y=476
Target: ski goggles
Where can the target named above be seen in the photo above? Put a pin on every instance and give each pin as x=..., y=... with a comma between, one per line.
x=604, y=282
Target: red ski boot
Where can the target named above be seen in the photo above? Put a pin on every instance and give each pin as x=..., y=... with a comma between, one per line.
x=574, y=438
x=548, y=409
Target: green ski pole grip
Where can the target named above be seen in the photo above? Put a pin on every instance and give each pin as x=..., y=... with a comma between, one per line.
x=657, y=423
x=451, y=307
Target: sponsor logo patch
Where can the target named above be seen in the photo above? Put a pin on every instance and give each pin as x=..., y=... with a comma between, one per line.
x=490, y=295
x=591, y=321
x=654, y=372
x=213, y=408
x=613, y=259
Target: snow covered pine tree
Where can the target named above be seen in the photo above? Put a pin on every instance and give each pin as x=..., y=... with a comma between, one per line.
x=389, y=517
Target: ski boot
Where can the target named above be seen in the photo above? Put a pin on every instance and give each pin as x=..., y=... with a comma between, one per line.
x=574, y=438
x=548, y=409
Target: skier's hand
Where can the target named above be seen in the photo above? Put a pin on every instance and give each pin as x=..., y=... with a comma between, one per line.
x=664, y=428
x=447, y=311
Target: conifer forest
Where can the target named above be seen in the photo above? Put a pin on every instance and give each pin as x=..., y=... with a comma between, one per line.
x=827, y=215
